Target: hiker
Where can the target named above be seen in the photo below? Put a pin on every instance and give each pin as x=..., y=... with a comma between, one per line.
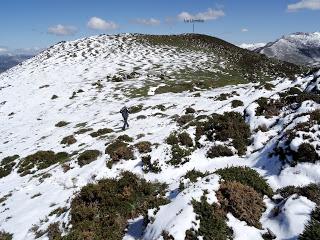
x=125, y=113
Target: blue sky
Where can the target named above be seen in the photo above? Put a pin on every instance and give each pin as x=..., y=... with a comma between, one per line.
x=41, y=23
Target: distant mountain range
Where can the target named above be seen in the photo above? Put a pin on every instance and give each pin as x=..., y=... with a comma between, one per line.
x=8, y=60
x=298, y=48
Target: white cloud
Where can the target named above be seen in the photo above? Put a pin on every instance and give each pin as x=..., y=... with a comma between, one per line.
x=3, y=50
x=100, y=24
x=210, y=14
x=304, y=4
x=61, y=30
x=244, y=30
x=150, y=21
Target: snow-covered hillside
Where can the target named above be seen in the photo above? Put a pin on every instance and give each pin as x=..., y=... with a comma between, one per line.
x=298, y=48
x=252, y=46
x=67, y=100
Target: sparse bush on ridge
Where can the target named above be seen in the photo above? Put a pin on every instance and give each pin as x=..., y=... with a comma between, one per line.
x=190, y=110
x=185, y=139
x=184, y=119
x=135, y=109
x=7, y=164
x=193, y=175
x=88, y=156
x=305, y=153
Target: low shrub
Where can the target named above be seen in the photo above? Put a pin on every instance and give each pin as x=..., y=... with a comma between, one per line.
x=119, y=150
x=41, y=160
x=190, y=110
x=83, y=130
x=184, y=119
x=109, y=204
x=246, y=176
x=125, y=138
x=230, y=125
x=212, y=222
x=62, y=124
x=9, y=159
x=185, y=139
x=193, y=175
x=68, y=140
x=219, y=151
x=5, y=235
x=7, y=164
x=100, y=132
x=242, y=201
x=305, y=153
x=135, y=109
x=269, y=107
x=236, y=103
x=311, y=191
x=179, y=155
x=88, y=156
x=172, y=139
x=143, y=147
x=54, y=232
x=149, y=166
x=54, y=97
x=312, y=228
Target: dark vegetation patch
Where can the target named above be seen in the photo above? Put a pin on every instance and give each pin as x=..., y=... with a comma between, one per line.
x=88, y=156
x=109, y=204
x=5, y=235
x=311, y=191
x=312, y=228
x=212, y=222
x=179, y=155
x=7, y=164
x=242, y=201
x=305, y=153
x=83, y=130
x=135, y=109
x=119, y=150
x=54, y=97
x=54, y=232
x=101, y=132
x=149, y=166
x=193, y=175
x=184, y=119
x=5, y=197
x=143, y=147
x=246, y=176
x=160, y=107
x=190, y=110
x=62, y=124
x=125, y=138
x=185, y=139
x=223, y=96
x=140, y=117
x=268, y=107
x=236, y=103
x=58, y=211
x=69, y=140
x=219, y=151
x=230, y=125
x=41, y=160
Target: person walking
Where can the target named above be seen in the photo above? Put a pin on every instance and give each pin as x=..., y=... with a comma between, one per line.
x=125, y=114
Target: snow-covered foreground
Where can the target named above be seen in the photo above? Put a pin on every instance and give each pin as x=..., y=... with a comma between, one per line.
x=29, y=115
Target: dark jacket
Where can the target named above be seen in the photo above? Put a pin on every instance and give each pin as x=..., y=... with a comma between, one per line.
x=125, y=112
